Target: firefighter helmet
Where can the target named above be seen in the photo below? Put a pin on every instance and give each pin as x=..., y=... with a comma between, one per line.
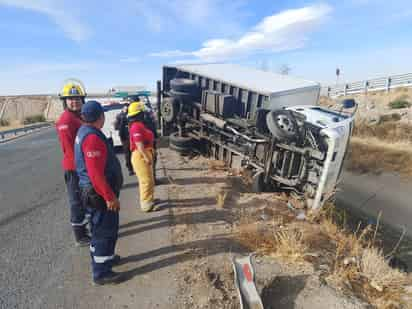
x=73, y=88
x=135, y=108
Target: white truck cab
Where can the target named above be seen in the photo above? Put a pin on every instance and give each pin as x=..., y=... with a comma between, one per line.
x=336, y=129
x=110, y=112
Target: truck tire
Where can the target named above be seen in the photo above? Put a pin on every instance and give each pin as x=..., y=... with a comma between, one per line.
x=183, y=96
x=282, y=124
x=181, y=150
x=169, y=109
x=185, y=142
x=183, y=85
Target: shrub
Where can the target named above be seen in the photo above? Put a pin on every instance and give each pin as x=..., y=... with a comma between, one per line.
x=399, y=103
x=4, y=122
x=34, y=119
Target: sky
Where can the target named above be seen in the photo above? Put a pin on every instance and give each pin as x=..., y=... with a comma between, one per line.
x=126, y=42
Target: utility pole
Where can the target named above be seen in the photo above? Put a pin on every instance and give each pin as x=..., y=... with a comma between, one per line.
x=337, y=76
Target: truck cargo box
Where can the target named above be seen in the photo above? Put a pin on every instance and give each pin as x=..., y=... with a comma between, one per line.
x=251, y=88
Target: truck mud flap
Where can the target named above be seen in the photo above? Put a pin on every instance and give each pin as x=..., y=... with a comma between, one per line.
x=245, y=285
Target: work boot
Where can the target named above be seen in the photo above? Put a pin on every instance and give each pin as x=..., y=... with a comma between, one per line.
x=83, y=242
x=110, y=278
x=81, y=236
x=116, y=259
x=146, y=206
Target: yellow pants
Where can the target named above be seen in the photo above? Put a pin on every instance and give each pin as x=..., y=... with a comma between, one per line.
x=144, y=173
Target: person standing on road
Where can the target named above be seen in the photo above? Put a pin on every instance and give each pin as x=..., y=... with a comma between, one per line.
x=141, y=145
x=72, y=96
x=150, y=123
x=122, y=125
x=100, y=181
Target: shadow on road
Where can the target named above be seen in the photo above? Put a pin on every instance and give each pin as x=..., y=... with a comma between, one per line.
x=183, y=253
x=209, y=216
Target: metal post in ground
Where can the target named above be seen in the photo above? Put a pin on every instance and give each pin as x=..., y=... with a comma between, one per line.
x=388, y=84
x=159, y=98
x=159, y=104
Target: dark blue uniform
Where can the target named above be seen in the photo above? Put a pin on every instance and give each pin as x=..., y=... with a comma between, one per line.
x=104, y=223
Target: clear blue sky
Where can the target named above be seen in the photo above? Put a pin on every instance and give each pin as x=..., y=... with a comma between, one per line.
x=125, y=42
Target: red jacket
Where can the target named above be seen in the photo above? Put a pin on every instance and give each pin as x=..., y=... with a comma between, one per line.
x=139, y=133
x=67, y=127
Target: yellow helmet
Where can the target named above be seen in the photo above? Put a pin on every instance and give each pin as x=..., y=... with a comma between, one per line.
x=73, y=88
x=135, y=108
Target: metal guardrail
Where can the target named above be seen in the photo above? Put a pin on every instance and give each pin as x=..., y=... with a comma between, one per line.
x=15, y=132
x=377, y=84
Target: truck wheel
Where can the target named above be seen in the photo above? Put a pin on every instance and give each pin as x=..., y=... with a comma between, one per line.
x=186, y=142
x=169, y=109
x=282, y=125
x=183, y=85
x=181, y=150
x=183, y=96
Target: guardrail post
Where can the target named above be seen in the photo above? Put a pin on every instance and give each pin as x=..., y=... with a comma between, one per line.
x=388, y=84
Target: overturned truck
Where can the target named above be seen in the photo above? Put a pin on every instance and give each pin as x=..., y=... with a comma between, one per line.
x=267, y=124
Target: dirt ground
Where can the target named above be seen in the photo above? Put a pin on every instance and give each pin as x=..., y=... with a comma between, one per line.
x=208, y=205
x=11, y=127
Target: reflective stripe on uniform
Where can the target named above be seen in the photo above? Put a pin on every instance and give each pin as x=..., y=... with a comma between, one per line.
x=84, y=222
x=102, y=259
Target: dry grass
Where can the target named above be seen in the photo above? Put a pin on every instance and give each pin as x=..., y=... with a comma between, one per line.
x=286, y=244
x=353, y=262
x=384, y=147
x=375, y=267
x=290, y=245
x=359, y=266
x=221, y=199
x=375, y=156
x=390, y=131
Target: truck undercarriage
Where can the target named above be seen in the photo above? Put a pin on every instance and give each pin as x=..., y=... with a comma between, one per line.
x=281, y=149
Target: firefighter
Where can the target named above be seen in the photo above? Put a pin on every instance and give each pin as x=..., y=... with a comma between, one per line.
x=72, y=96
x=100, y=181
x=141, y=145
x=150, y=123
x=121, y=124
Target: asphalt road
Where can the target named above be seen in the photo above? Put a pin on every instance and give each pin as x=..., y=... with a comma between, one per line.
x=40, y=267
x=387, y=194
x=369, y=196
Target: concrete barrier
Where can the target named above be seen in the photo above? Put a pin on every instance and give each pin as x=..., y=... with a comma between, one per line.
x=16, y=108
x=12, y=134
